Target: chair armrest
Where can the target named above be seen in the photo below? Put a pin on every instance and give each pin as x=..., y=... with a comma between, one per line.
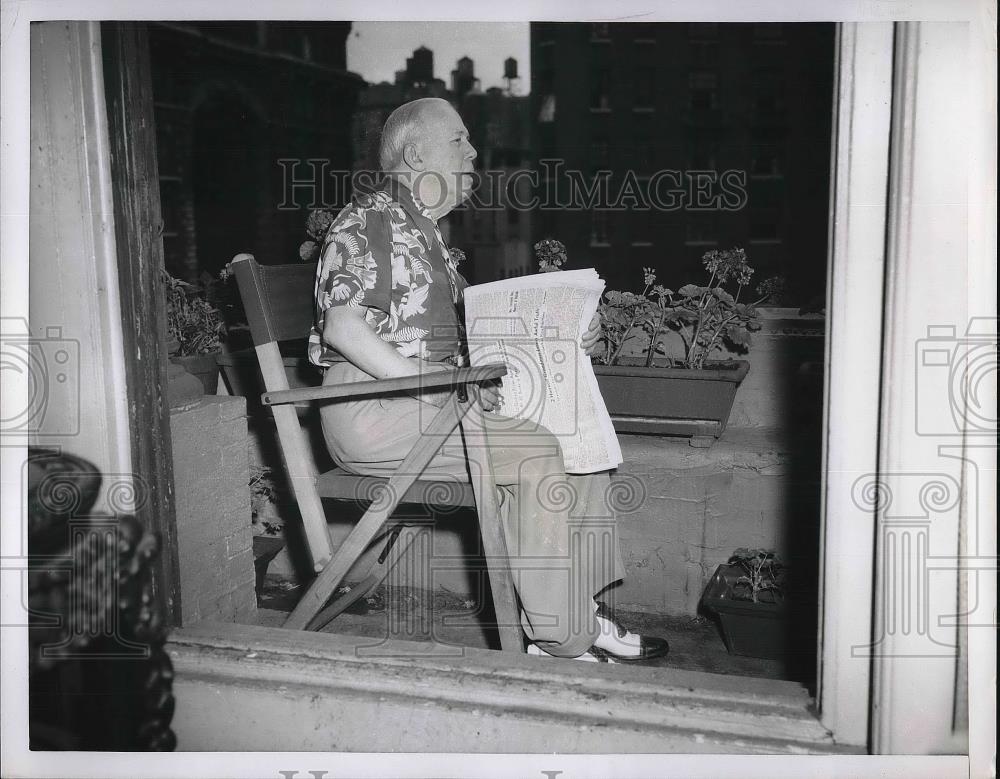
x=419, y=381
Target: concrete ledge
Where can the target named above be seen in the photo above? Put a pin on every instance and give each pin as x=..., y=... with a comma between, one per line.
x=752, y=488
x=687, y=509
x=253, y=688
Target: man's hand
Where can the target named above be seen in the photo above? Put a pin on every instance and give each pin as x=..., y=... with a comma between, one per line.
x=592, y=337
x=488, y=395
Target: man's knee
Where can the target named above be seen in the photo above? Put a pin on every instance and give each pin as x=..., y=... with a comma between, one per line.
x=542, y=452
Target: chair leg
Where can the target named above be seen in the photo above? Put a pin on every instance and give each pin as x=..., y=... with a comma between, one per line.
x=376, y=516
x=394, y=551
x=494, y=543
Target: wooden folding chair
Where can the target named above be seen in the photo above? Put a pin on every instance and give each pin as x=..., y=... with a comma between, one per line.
x=278, y=304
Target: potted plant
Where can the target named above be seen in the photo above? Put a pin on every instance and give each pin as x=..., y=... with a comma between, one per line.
x=656, y=370
x=196, y=326
x=267, y=525
x=748, y=595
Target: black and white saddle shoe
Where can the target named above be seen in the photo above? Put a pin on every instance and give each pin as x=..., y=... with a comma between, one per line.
x=620, y=645
x=588, y=657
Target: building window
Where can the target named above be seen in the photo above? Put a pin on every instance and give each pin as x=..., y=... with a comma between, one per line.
x=770, y=32
x=703, y=31
x=546, y=32
x=599, y=234
x=600, y=154
x=599, y=32
x=645, y=86
x=513, y=221
x=704, y=54
x=643, y=32
x=547, y=109
x=543, y=65
x=643, y=226
x=765, y=162
x=703, y=154
x=644, y=157
x=703, y=87
x=765, y=227
x=769, y=92
x=600, y=90
x=642, y=144
x=701, y=230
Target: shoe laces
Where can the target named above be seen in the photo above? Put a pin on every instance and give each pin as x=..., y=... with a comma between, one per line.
x=604, y=612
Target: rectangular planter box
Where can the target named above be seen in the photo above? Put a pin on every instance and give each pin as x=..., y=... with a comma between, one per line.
x=749, y=629
x=671, y=401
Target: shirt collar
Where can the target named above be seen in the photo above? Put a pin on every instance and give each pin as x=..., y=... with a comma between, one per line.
x=406, y=197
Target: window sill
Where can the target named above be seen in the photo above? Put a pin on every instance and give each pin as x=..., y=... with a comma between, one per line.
x=268, y=689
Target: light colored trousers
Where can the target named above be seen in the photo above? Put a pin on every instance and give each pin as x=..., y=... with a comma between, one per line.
x=560, y=529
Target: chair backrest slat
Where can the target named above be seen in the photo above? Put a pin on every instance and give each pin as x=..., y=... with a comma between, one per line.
x=278, y=299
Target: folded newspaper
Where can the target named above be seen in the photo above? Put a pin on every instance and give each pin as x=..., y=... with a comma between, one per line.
x=533, y=325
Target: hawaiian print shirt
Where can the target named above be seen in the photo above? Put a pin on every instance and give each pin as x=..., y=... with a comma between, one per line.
x=384, y=253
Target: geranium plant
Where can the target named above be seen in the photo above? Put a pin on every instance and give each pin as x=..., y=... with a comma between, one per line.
x=551, y=254
x=264, y=490
x=317, y=223
x=707, y=318
x=192, y=320
x=763, y=578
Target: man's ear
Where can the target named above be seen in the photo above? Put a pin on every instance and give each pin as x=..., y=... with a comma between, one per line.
x=412, y=158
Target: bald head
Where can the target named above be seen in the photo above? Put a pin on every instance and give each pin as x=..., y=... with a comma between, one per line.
x=409, y=124
x=425, y=144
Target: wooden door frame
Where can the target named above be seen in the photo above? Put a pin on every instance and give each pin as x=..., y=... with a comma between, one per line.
x=139, y=243
x=855, y=271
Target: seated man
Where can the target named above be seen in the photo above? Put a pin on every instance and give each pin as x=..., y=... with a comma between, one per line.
x=387, y=287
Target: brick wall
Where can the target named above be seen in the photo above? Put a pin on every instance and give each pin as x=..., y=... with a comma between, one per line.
x=215, y=545
x=230, y=101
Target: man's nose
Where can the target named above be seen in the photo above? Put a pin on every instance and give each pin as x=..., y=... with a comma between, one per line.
x=471, y=153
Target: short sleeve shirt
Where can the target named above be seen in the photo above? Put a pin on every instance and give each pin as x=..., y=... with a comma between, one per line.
x=385, y=254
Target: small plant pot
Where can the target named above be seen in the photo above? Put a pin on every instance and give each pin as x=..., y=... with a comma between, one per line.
x=204, y=368
x=265, y=549
x=748, y=629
